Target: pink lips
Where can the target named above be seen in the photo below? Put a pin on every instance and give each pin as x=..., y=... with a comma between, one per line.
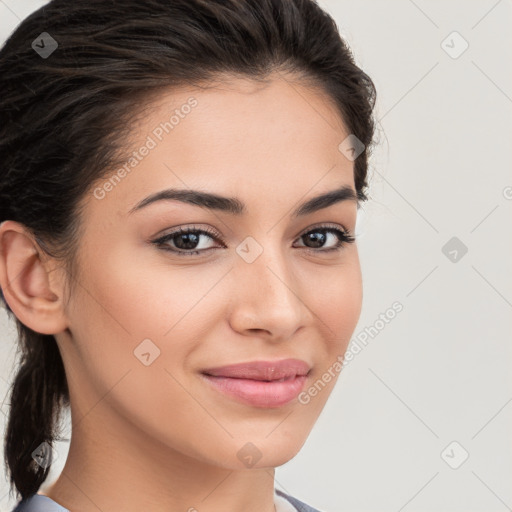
x=260, y=383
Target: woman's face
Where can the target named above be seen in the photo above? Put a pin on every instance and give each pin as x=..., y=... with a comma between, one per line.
x=146, y=320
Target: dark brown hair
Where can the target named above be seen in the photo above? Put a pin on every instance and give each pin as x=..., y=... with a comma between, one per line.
x=65, y=118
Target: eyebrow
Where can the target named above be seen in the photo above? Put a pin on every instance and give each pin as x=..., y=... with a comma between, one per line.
x=234, y=206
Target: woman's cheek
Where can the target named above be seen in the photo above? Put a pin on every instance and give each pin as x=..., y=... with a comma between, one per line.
x=337, y=298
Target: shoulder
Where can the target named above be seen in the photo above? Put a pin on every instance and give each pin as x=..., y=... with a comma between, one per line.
x=38, y=503
x=299, y=505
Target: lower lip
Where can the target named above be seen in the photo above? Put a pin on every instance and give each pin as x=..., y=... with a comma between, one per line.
x=259, y=393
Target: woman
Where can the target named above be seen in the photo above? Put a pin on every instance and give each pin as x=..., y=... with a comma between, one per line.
x=179, y=189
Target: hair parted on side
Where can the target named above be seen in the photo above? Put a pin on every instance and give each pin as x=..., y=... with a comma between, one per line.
x=64, y=122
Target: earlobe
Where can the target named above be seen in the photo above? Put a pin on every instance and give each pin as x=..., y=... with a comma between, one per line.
x=25, y=281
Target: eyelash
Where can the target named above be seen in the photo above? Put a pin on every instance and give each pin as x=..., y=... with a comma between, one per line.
x=344, y=237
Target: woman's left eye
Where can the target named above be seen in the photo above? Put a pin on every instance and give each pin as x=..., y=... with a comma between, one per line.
x=187, y=241
x=339, y=236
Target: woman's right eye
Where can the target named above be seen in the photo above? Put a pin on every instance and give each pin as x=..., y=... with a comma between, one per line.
x=185, y=241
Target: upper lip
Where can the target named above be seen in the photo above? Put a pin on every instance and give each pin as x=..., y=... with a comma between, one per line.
x=262, y=370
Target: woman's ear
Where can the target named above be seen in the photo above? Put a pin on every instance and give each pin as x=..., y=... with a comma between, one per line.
x=32, y=290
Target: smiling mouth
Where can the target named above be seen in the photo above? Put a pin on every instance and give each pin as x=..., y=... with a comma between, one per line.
x=259, y=393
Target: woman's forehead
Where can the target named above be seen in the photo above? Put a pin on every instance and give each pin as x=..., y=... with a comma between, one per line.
x=277, y=132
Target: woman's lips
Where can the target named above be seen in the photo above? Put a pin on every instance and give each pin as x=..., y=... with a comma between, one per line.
x=260, y=393
x=260, y=383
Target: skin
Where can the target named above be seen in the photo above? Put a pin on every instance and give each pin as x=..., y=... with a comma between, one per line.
x=157, y=437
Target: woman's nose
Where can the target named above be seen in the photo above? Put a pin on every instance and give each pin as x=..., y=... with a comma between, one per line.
x=267, y=295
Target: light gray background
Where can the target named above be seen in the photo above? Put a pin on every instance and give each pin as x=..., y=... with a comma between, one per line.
x=440, y=370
